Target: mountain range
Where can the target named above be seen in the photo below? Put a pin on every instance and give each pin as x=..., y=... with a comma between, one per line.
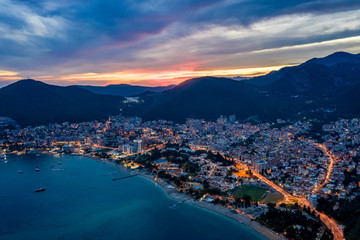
x=323, y=88
x=31, y=102
x=124, y=90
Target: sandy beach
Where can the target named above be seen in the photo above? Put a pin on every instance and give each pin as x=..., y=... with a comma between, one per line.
x=173, y=193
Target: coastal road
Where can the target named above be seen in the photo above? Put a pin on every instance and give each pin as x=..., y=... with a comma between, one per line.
x=329, y=222
x=332, y=159
x=289, y=198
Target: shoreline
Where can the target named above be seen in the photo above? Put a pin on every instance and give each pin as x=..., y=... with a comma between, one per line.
x=174, y=194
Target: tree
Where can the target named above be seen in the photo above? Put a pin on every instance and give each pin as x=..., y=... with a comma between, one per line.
x=247, y=200
x=206, y=184
x=271, y=206
x=155, y=154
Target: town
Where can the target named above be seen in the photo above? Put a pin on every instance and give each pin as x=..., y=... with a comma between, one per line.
x=247, y=167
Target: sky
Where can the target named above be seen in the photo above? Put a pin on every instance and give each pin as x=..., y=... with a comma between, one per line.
x=162, y=42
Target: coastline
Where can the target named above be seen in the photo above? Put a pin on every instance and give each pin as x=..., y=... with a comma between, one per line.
x=174, y=194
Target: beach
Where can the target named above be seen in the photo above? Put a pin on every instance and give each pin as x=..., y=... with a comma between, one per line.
x=84, y=202
x=173, y=193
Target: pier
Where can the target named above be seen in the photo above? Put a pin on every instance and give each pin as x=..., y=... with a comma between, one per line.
x=120, y=178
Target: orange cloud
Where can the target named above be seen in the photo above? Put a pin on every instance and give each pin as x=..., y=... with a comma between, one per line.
x=152, y=78
x=9, y=75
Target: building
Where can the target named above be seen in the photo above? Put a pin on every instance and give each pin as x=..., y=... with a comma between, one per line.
x=260, y=165
x=232, y=118
x=313, y=199
x=161, y=161
x=137, y=146
x=127, y=149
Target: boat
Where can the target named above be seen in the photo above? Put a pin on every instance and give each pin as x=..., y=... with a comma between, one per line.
x=40, y=189
x=20, y=171
x=37, y=169
x=174, y=206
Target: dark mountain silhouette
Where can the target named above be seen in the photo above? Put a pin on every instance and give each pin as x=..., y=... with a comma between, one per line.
x=338, y=60
x=206, y=97
x=124, y=90
x=325, y=88
x=31, y=102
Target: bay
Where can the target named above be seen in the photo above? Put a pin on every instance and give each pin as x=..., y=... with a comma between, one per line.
x=82, y=202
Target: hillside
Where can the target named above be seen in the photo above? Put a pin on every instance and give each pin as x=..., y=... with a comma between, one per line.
x=338, y=60
x=206, y=97
x=124, y=90
x=31, y=102
x=325, y=88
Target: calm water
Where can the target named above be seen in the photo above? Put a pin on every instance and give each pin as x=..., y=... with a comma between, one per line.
x=82, y=203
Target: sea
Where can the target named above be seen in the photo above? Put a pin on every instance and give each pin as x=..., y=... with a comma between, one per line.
x=82, y=202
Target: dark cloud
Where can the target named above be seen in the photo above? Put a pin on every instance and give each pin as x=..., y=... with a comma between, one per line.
x=86, y=24
x=38, y=34
x=247, y=12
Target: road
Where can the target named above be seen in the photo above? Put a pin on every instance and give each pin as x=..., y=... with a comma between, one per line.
x=330, y=167
x=289, y=198
x=332, y=159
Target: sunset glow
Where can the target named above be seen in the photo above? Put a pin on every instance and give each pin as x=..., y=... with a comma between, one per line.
x=166, y=42
x=146, y=78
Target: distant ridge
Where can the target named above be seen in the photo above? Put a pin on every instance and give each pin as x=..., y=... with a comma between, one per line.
x=323, y=88
x=31, y=102
x=205, y=97
x=336, y=58
x=331, y=60
x=124, y=90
